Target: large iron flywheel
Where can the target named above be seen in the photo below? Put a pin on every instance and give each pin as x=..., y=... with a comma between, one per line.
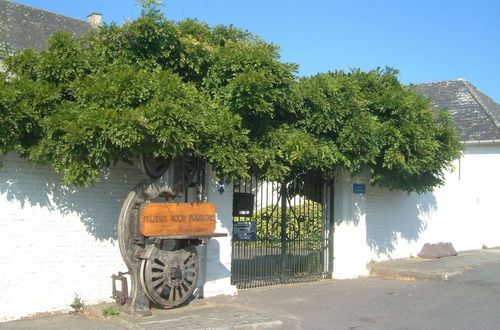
x=169, y=277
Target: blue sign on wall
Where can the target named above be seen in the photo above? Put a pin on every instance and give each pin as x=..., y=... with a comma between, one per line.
x=359, y=188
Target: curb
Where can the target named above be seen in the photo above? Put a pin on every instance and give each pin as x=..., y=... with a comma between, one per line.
x=418, y=275
x=256, y=325
x=440, y=269
x=173, y=323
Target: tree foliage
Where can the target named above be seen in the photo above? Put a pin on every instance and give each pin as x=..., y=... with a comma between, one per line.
x=186, y=89
x=380, y=125
x=309, y=229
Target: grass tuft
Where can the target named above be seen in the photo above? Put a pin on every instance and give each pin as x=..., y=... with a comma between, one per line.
x=110, y=311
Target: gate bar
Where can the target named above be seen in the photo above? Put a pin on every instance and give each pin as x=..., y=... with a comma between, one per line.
x=331, y=229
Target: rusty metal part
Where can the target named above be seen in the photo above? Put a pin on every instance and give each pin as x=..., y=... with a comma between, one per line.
x=120, y=296
x=135, y=247
x=132, y=243
x=186, y=174
x=153, y=167
x=169, y=277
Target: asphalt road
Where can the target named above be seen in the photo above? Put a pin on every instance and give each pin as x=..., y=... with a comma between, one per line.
x=470, y=301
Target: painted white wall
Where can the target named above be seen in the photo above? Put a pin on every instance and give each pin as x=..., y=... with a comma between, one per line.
x=350, y=231
x=218, y=250
x=59, y=242
x=383, y=224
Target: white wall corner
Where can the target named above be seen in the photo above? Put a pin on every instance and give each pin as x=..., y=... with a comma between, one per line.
x=218, y=250
x=350, y=249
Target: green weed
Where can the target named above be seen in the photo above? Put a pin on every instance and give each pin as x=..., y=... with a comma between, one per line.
x=110, y=311
x=78, y=305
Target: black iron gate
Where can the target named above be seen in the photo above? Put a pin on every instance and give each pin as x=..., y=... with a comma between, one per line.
x=285, y=238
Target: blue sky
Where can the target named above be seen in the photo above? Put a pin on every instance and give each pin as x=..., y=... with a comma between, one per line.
x=427, y=40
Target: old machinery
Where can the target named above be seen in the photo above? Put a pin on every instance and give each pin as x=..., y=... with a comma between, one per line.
x=169, y=277
x=158, y=236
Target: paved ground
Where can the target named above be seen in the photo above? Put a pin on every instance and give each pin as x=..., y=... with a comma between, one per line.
x=436, y=269
x=469, y=299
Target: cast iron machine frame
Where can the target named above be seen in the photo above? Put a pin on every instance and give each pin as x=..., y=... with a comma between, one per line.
x=163, y=268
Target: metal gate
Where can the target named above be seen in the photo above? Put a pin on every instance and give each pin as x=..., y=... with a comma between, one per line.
x=285, y=237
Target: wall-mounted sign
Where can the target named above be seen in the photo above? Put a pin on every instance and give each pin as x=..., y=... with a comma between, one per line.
x=359, y=188
x=244, y=231
x=177, y=219
x=242, y=204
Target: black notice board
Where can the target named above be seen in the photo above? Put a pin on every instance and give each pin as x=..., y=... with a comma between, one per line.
x=244, y=231
x=242, y=204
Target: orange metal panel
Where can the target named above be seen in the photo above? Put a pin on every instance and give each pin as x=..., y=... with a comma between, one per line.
x=174, y=219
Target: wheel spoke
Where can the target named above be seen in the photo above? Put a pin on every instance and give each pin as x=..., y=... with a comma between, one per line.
x=173, y=297
x=158, y=270
x=180, y=292
x=169, y=296
x=190, y=275
x=184, y=286
x=161, y=287
x=170, y=276
x=156, y=279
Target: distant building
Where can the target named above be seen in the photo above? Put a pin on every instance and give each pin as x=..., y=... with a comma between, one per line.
x=475, y=115
x=23, y=27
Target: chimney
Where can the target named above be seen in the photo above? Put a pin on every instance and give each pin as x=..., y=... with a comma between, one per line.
x=94, y=20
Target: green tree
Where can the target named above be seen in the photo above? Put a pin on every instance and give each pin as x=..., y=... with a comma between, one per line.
x=379, y=125
x=185, y=89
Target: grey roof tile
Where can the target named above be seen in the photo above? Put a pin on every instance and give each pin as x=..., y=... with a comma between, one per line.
x=475, y=115
x=24, y=27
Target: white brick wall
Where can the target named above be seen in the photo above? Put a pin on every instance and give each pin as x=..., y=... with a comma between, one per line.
x=58, y=242
x=383, y=224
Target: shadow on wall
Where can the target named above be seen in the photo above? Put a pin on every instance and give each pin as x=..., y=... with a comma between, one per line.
x=97, y=207
x=349, y=208
x=393, y=215
x=213, y=254
x=217, y=269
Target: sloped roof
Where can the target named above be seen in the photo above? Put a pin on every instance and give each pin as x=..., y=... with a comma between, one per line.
x=475, y=115
x=24, y=27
